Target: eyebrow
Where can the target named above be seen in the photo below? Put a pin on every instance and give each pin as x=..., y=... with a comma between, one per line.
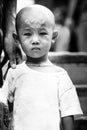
x=45, y=24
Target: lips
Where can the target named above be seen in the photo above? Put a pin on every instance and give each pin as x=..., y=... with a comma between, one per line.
x=35, y=49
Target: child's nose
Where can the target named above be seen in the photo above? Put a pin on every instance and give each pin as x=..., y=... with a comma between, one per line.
x=35, y=40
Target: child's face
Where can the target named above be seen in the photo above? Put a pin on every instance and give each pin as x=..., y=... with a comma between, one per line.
x=35, y=34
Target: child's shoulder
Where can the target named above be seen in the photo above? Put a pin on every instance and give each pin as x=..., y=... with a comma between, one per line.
x=61, y=72
x=58, y=69
x=17, y=71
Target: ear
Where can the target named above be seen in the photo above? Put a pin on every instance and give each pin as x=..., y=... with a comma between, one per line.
x=15, y=36
x=55, y=36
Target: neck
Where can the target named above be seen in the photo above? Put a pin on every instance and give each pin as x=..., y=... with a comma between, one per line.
x=36, y=61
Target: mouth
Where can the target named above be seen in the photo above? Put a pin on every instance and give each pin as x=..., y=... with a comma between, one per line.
x=35, y=49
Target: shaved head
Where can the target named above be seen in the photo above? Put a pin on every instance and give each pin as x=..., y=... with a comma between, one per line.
x=35, y=13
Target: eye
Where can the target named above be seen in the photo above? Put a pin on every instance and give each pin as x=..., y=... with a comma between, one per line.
x=28, y=34
x=43, y=33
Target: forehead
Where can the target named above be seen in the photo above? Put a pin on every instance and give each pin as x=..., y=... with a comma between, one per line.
x=36, y=17
x=36, y=22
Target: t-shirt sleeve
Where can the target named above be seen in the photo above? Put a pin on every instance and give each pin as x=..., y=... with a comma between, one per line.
x=6, y=92
x=68, y=98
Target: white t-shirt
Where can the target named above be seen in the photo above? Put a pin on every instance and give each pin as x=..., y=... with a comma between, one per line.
x=39, y=98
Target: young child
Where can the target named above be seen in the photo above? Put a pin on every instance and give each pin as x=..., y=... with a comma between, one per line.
x=42, y=94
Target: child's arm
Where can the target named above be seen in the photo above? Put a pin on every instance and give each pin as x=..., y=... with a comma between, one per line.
x=68, y=123
x=69, y=102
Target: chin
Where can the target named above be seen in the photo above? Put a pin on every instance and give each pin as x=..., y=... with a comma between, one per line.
x=37, y=58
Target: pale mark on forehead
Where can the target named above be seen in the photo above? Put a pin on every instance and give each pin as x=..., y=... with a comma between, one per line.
x=36, y=23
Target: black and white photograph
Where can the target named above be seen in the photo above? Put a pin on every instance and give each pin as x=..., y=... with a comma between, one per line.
x=43, y=64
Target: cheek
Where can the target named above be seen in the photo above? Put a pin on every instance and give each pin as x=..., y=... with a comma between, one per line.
x=25, y=46
x=47, y=42
x=47, y=47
